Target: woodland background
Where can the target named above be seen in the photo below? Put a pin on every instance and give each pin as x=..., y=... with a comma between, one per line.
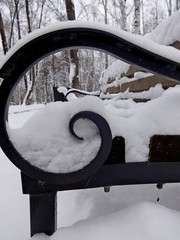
x=77, y=68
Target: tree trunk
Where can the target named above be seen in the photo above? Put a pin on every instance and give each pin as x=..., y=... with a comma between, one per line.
x=16, y=3
x=74, y=61
x=3, y=35
x=177, y=4
x=136, y=26
x=143, y=18
x=41, y=14
x=27, y=15
x=28, y=99
x=169, y=4
x=122, y=20
x=123, y=14
x=12, y=27
x=104, y=3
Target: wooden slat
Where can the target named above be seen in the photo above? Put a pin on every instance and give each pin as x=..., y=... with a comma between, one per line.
x=164, y=148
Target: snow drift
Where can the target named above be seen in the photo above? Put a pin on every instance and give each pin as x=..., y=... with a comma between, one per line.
x=141, y=221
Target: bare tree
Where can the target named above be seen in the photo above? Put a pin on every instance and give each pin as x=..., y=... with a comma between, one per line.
x=177, y=4
x=31, y=85
x=3, y=35
x=169, y=7
x=27, y=15
x=143, y=17
x=13, y=15
x=121, y=5
x=74, y=61
x=41, y=12
x=105, y=7
x=136, y=22
x=16, y=4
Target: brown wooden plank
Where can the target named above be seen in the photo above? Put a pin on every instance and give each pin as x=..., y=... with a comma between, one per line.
x=164, y=148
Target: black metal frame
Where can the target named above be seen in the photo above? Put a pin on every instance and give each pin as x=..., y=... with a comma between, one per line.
x=42, y=186
x=50, y=42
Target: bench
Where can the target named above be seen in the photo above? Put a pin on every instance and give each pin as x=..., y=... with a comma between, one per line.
x=108, y=168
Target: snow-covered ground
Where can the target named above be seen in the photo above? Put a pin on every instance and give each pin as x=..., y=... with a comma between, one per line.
x=129, y=212
x=126, y=212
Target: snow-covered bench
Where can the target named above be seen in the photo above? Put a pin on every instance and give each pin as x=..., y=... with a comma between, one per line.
x=104, y=169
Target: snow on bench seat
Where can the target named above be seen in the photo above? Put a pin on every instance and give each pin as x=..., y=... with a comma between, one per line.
x=45, y=140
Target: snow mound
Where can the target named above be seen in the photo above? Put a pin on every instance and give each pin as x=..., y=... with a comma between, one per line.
x=117, y=68
x=138, y=122
x=45, y=140
x=168, y=31
x=145, y=220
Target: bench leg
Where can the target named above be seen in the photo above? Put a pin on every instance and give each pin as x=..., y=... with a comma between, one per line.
x=43, y=213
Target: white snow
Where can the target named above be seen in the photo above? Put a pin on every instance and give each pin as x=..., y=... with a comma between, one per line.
x=117, y=68
x=13, y=118
x=121, y=80
x=45, y=140
x=152, y=93
x=72, y=73
x=126, y=212
x=144, y=42
x=168, y=31
x=165, y=33
x=71, y=91
x=137, y=122
x=142, y=221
